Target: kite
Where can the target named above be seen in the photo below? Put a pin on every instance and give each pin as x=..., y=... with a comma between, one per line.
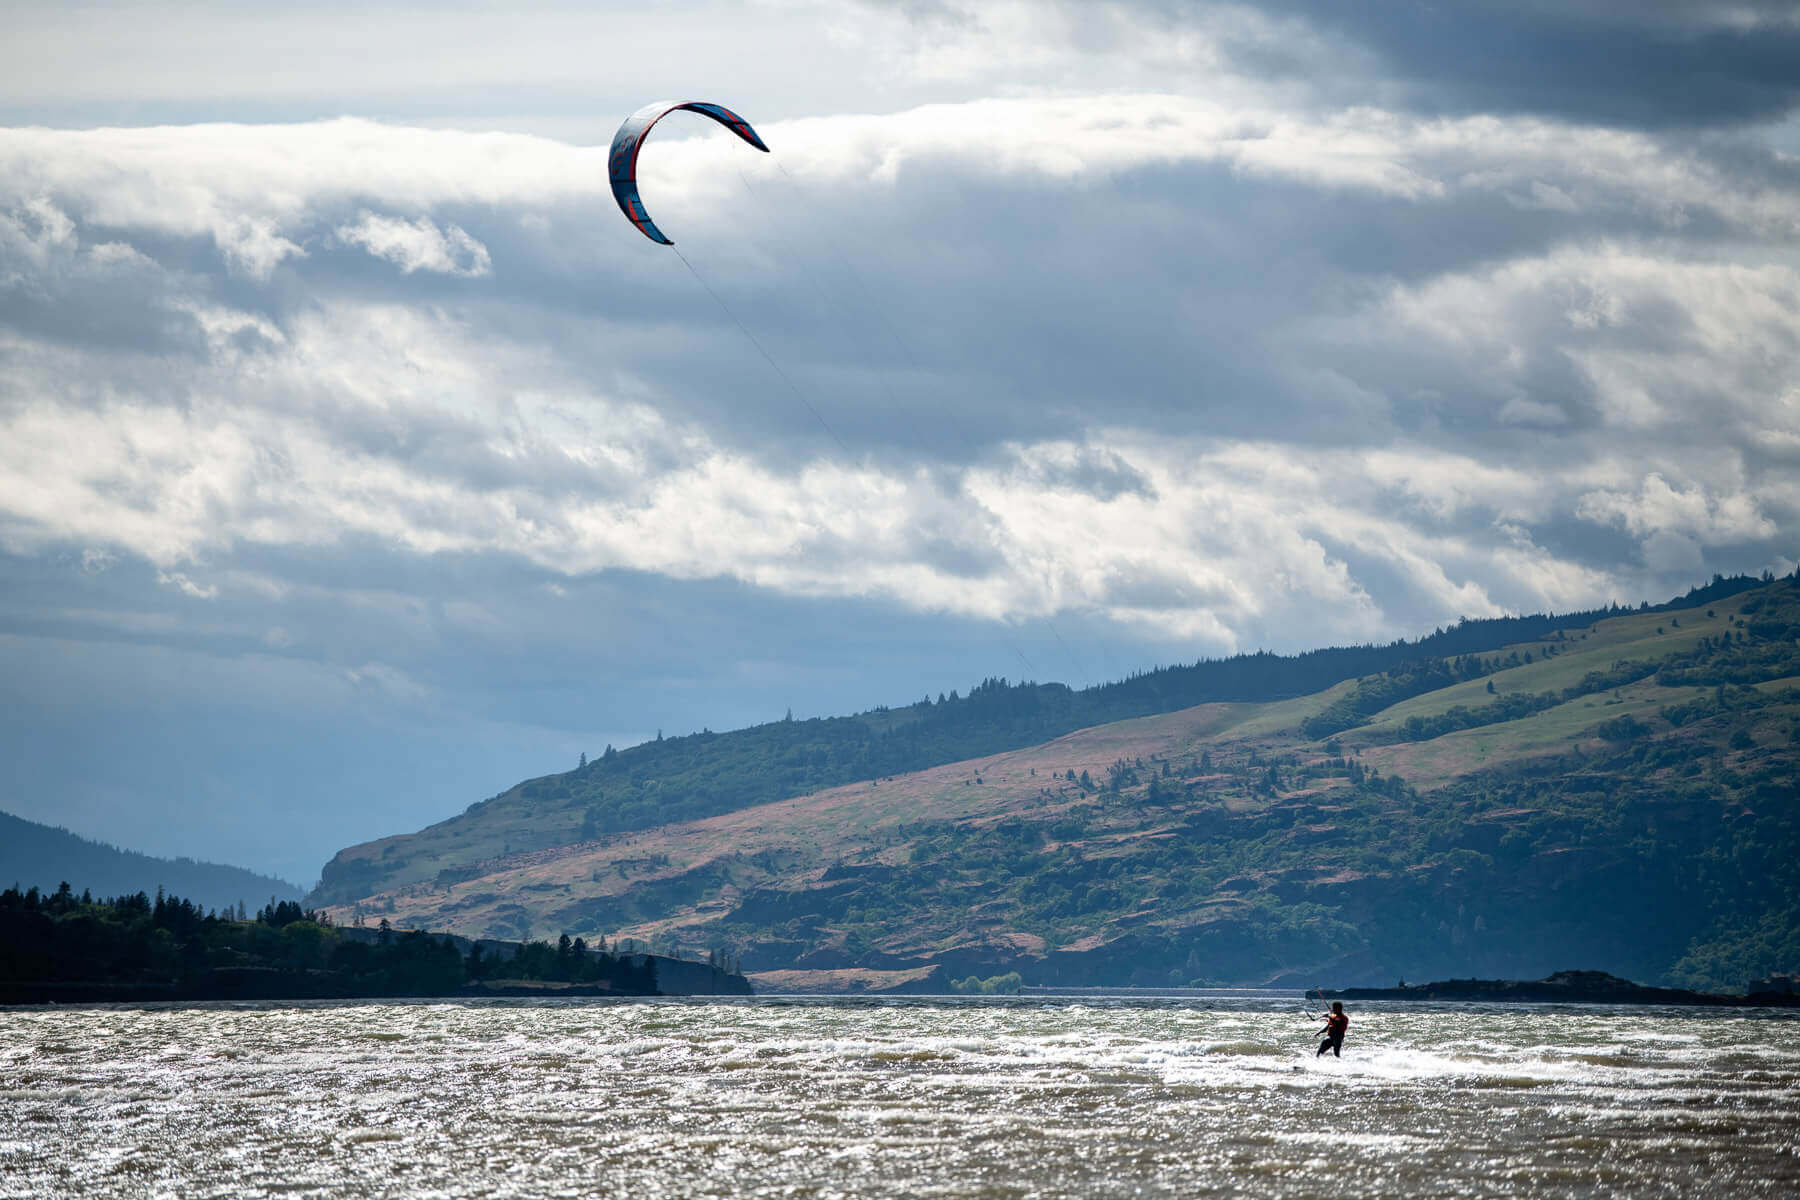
x=622, y=162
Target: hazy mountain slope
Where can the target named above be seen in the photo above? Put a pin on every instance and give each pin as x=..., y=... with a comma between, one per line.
x=44, y=857
x=705, y=774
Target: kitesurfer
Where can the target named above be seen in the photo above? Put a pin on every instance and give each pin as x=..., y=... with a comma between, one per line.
x=1337, y=1023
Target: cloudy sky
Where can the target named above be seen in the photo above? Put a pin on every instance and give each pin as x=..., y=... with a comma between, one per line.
x=357, y=459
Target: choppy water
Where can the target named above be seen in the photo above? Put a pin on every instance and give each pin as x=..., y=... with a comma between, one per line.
x=955, y=1098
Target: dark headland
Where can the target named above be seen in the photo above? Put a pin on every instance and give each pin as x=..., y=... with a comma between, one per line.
x=1575, y=987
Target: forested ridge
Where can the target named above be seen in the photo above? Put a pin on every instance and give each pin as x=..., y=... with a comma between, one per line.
x=699, y=775
x=1616, y=795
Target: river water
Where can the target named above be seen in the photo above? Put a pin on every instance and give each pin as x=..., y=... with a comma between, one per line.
x=797, y=1097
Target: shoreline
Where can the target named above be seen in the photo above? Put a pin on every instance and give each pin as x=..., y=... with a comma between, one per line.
x=1563, y=987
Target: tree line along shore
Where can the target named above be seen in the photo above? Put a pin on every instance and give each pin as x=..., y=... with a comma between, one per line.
x=66, y=947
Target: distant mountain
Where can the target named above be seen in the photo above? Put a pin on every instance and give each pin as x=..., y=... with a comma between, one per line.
x=1613, y=790
x=44, y=857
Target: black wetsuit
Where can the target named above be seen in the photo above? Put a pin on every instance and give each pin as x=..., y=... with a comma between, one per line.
x=1336, y=1025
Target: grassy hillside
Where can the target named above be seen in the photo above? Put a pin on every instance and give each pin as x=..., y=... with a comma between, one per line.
x=1615, y=793
x=44, y=857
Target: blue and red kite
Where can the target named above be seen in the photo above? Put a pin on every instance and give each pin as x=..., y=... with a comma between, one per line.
x=622, y=163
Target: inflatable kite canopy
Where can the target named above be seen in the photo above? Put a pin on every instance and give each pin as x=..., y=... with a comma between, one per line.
x=622, y=162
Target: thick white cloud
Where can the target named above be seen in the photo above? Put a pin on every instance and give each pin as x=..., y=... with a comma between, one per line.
x=253, y=190
x=418, y=245
x=401, y=422
x=1216, y=544
x=1656, y=508
x=264, y=194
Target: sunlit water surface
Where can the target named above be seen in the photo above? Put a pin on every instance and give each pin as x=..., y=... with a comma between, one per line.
x=823, y=1098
